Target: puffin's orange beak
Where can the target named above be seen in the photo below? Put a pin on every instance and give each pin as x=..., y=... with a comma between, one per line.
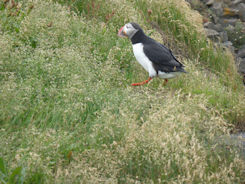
x=121, y=32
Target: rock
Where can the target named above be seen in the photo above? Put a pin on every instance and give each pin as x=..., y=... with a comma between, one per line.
x=230, y=12
x=210, y=3
x=229, y=45
x=214, y=18
x=218, y=27
x=218, y=9
x=236, y=2
x=208, y=25
x=242, y=47
x=224, y=23
x=211, y=25
x=197, y=5
x=227, y=22
x=233, y=141
x=241, y=67
x=241, y=13
x=223, y=36
x=212, y=34
x=241, y=52
x=204, y=1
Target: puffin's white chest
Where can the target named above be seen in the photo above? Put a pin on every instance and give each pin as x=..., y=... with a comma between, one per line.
x=142, y=59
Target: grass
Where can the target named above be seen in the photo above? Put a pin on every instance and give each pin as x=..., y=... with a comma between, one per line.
x=69, y=115
x=170, y=19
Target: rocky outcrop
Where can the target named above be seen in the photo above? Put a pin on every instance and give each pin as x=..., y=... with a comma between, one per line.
x=233, y=141
x=224, y=22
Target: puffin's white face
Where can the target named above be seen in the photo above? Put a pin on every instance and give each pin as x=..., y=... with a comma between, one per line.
x=127, y=30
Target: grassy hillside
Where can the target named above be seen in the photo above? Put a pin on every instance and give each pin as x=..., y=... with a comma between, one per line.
x=69, y=115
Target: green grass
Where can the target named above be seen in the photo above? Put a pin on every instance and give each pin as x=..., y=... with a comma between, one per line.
x=69, y=115
x=171, y=20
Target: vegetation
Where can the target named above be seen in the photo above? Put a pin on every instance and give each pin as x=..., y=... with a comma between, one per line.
x=69, y=115
x=236, y=35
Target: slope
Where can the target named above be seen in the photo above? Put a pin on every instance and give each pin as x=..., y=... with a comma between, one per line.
x=69, y=115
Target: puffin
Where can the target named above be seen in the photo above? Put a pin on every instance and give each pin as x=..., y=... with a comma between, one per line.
x=153, y=56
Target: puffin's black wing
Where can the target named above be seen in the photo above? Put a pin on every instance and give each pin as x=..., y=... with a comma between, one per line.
x=161, y=57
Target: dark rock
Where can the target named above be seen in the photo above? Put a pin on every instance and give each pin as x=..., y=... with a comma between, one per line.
x=241, y=67
x=218, y=27
x=241, y=8
x=212, y=34
x=241, y=52
x=223, y=36
x=234, y=141
x=226, y=22
x=218, y=8
x=214, y=18
x=211, y=25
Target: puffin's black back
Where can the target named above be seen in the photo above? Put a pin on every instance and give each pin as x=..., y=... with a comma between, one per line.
x=160, y=56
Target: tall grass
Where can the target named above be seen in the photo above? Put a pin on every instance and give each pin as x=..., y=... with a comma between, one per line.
x=186, y=28
x=69, y=115
x=170, y=18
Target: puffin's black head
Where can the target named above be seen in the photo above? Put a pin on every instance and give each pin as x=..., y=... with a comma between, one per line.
x=129, y=30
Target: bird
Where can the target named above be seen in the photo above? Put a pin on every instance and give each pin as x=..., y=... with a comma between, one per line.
x=155, y=58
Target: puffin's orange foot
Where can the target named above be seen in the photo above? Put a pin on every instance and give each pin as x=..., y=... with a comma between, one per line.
x=141, y=83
